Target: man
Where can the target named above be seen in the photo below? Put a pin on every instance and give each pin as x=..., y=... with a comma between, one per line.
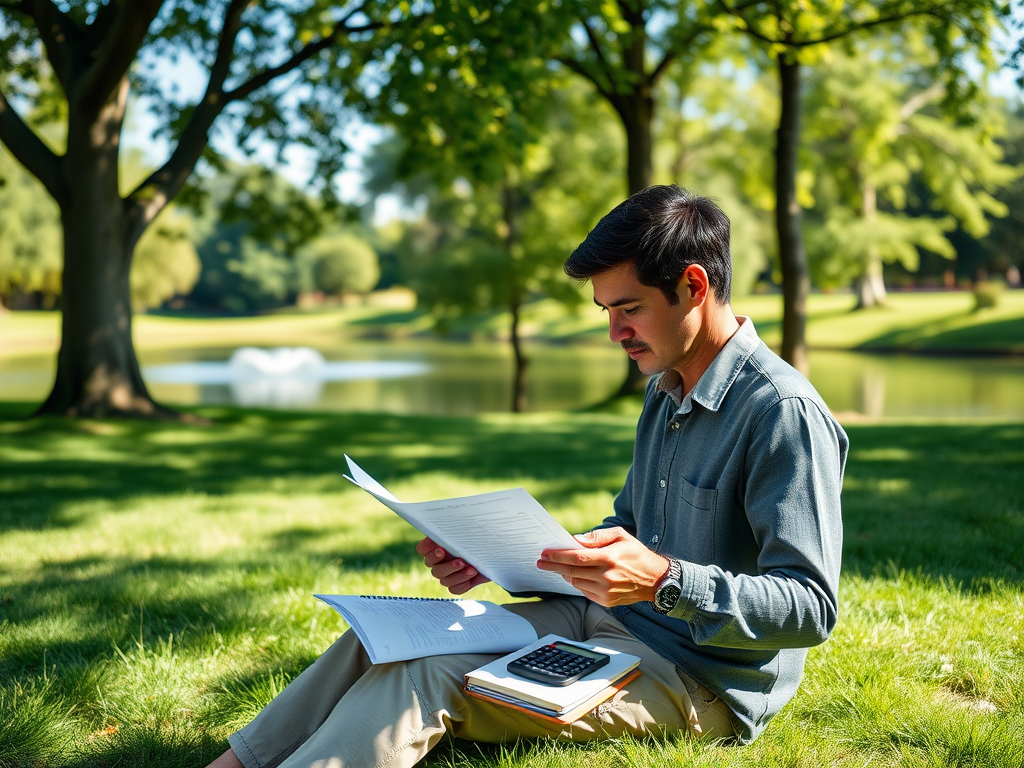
x=719, y=566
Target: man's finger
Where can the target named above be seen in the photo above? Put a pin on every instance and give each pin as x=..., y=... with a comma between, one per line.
x=577, y=557
x=445, y=569
x=578, y=573
x=424, y=546
x=562, y=569
x=460, y=589
x=461, y=576
x=435, y=556
x=601, y=537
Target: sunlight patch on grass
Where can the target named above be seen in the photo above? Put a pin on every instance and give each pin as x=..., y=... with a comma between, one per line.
x=886, y=454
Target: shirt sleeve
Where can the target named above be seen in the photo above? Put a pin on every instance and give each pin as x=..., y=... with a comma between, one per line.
x=794, y=473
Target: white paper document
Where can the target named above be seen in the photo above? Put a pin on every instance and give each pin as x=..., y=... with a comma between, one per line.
x=403, y=628
x=501, y=534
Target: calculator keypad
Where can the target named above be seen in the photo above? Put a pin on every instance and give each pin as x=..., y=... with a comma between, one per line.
x=553, y=666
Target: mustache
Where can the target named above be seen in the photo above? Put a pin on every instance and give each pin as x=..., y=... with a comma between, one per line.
x=633, y=347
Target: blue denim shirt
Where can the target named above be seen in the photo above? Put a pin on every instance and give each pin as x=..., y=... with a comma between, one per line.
x=741, y=482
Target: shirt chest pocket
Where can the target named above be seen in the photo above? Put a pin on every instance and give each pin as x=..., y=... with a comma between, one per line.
x=690, y=522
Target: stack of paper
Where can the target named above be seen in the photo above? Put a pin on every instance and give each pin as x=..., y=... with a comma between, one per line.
x=402, y=628
x=562, y=704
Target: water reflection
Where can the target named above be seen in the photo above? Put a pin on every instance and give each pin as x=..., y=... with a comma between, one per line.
x=906, y=385
x=441, y=378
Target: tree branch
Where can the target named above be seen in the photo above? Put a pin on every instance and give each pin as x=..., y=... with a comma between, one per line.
x=595, y=46
x=919, y=100
x=663, y=65
x=789, y=42
x=63, y=41
x=737, y=12
x=581, y=70
x=29, y=150
x=116, y=51
x=225, y=48
x=304, y=54
x=868, y=25
x=150, y=197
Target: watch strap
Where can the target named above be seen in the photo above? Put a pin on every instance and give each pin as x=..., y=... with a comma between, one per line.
x=667, y=594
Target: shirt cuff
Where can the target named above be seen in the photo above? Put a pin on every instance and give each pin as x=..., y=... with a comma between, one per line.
x=696, y=585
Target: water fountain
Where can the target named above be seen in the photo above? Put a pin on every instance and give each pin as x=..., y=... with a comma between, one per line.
x=282, y=377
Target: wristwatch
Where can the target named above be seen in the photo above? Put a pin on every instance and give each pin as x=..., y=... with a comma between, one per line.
x=669, y=588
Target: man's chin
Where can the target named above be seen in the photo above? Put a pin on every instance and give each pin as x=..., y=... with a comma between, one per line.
x=648, y=366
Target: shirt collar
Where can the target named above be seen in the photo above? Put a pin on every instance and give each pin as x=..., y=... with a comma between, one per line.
x=714, y=383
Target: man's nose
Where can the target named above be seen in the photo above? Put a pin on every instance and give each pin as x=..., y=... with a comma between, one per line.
x=618, y=330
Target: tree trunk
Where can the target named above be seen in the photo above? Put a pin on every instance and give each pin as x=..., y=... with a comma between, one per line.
x=509, y=211
x=97, y=371
x=793, y=260
x=869, y=284
x=636, y=110
x=521, y=361
x=637, y=118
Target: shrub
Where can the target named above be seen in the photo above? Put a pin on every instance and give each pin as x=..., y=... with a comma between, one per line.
x=986, y=294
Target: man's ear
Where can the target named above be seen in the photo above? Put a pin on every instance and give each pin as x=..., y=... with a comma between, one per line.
x=695, y=282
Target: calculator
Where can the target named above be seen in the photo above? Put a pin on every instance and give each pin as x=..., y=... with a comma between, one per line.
x=557, y=664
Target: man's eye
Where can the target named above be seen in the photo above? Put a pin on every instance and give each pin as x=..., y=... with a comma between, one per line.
x=631, y=310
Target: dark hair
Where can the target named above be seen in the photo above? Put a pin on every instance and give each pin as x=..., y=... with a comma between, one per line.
x=662, y=230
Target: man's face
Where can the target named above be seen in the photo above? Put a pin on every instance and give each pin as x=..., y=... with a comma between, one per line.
x=654, y=332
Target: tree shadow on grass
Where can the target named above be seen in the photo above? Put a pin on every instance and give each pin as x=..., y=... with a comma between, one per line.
x=141, y=747
x=994, y=336
x=944, y=498
x=83, y=608
x=398, y=317
x=53, y=467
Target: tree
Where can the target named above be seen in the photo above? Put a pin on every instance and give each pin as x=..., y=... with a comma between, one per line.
x=473, y=118
x=340, y=264
x=1003, y=249
x=624, y=49
x=277, y=70
x=492, y=243
x=793, y=32
x=876, y=125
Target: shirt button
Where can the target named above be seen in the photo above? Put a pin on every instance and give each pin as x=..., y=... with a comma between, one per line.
x=655, y=539
x=662, y=483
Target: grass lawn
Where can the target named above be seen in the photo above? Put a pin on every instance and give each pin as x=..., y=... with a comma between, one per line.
x=156, y=581
x=926, y=322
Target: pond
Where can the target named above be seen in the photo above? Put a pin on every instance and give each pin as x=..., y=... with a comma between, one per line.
x=444, y=378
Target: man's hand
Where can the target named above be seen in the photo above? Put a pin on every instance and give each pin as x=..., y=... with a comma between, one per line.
x=613, y=569
x=453, y=572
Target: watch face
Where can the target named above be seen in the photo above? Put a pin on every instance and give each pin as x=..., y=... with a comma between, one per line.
x=666, y=598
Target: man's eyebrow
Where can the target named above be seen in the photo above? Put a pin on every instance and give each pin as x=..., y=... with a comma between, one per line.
x=616, y=303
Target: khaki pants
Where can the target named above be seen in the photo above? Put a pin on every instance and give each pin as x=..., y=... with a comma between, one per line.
x=343, y=712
